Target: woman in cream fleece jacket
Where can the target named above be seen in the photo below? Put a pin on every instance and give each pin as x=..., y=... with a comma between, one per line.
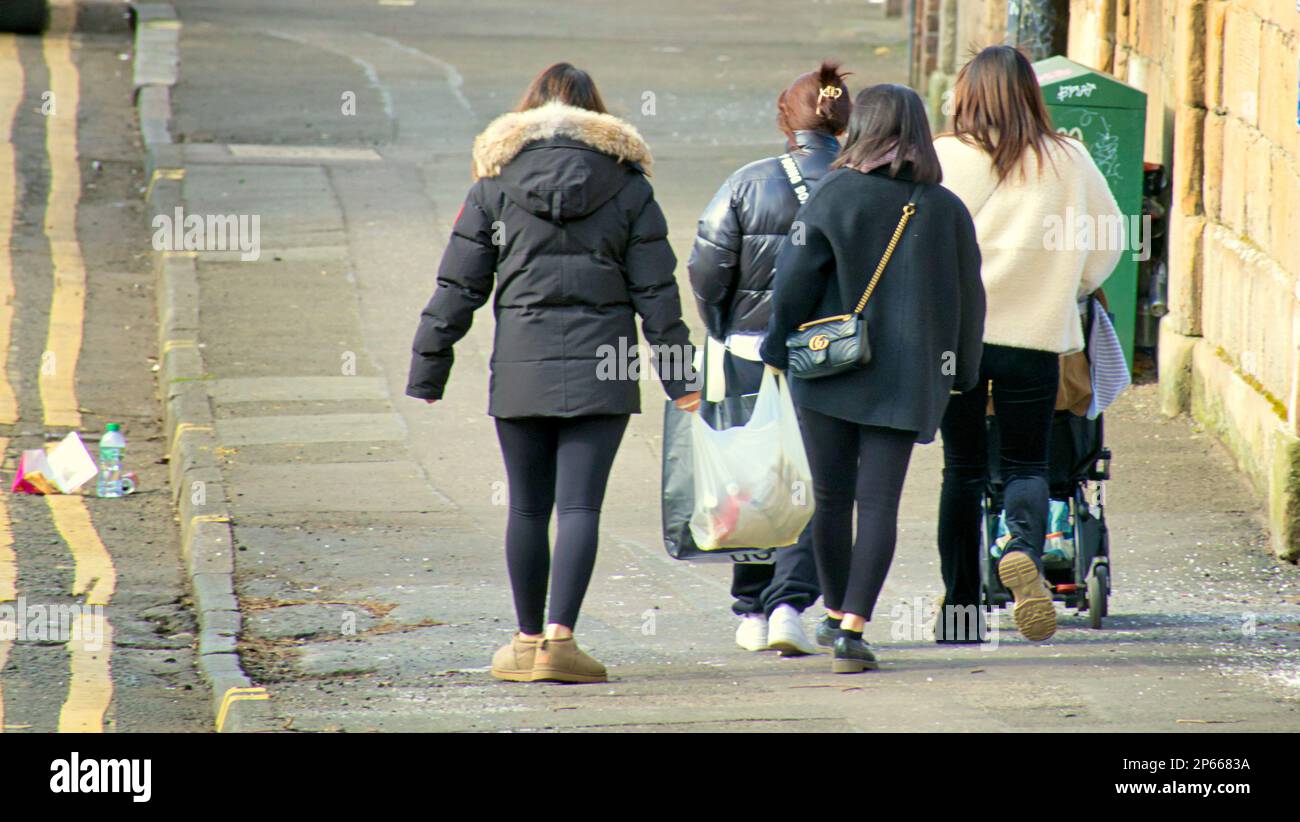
x=1049, y=233
x=1035, y=267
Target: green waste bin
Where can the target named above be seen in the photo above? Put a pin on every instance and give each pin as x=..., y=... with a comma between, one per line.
x=1110, y=118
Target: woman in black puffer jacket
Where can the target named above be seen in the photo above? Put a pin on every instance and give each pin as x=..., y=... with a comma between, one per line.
x=562, y=214
x=740, y=234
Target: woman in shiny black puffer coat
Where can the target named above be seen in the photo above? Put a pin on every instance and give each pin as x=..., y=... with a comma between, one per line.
x=731, y=268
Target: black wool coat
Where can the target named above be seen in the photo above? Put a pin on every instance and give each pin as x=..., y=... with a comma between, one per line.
x=564, y=220
x=925, y=319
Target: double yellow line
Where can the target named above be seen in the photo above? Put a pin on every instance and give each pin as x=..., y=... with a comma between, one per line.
x=90, y=684
x=90, y=687
x=8, y=560
x=11, y=92
x=58, y=372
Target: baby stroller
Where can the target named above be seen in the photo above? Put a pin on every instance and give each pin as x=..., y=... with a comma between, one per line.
x=1078, y=569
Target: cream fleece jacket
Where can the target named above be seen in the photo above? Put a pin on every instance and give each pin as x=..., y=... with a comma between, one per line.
x=1046, y=239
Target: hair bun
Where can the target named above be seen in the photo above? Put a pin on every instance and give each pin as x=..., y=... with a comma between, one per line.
x=816, y=101
x=830, y=75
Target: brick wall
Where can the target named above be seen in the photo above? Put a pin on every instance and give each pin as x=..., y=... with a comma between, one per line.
x=947, y=34
x=1221, y=78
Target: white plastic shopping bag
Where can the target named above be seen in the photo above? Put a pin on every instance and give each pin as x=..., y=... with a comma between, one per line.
x=753, y=487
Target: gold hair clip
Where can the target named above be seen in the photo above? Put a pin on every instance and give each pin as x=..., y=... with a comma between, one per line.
x=833, y=92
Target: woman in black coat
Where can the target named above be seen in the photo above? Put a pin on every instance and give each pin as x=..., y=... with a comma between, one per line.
x=562, y=215
x=925, y=321
x=740, y=234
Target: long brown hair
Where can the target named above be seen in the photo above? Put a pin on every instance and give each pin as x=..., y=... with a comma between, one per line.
x=816, y=101
x=563, y=83
x=998, y=107
x=890, y=117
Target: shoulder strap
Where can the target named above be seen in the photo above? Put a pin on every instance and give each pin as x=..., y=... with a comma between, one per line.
x=908, y=211
x=792, y=173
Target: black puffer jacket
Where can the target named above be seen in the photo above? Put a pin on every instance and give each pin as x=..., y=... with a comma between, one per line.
x=741, y=233
x=563, y=215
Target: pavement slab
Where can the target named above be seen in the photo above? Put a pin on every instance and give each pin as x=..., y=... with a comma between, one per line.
x=296, y=389
x=310, y=429
x=331, y=488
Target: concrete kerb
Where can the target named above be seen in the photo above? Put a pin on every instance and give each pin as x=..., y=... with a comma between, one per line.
x=207, y=543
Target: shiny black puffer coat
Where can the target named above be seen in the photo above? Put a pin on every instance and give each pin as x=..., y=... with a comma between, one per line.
x=742, y=231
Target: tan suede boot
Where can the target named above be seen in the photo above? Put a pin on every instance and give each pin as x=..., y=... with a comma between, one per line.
x=561, y=660
x=514, y=662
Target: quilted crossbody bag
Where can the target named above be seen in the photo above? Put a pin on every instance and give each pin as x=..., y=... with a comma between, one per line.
x=833, y=345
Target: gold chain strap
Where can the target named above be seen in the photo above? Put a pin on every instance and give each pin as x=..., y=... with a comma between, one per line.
x=908, y=211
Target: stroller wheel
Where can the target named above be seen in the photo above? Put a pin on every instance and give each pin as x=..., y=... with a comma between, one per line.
x=1098, y=591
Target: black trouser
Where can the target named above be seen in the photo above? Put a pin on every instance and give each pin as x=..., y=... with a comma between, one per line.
x=1024, y=400
x=792, y=579
x=560, y=462
x=852, y=463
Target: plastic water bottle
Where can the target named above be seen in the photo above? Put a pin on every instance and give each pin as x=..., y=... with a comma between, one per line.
x=111, y=447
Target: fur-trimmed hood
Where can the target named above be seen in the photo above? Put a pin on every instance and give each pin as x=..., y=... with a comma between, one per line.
x=507, y=135
x=559, y=162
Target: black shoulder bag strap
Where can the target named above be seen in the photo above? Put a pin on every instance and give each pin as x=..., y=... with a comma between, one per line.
x=913, y=200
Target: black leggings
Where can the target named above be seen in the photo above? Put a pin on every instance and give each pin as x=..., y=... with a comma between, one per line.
x=562, y=463
x=852, y=463
x=1024, y=398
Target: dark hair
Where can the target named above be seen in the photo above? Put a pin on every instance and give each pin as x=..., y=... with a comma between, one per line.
x=890, y=116
x=816, y=101
x=563, y=83
x=998, y=107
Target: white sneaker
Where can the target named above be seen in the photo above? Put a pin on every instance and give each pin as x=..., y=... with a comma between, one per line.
x=752, y=633
x=786, y=634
